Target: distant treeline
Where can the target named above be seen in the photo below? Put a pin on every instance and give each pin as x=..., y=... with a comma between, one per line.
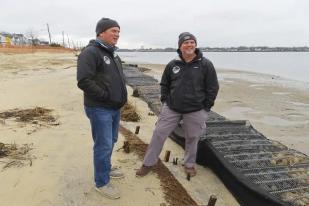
x=227, y=49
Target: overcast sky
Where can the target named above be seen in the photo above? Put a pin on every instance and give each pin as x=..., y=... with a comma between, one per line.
x=157, y=23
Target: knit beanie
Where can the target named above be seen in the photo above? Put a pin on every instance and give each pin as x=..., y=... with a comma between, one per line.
x=104, y=24
x=184, y=37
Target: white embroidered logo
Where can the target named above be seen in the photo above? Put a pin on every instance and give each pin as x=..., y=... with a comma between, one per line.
x=106, y=60
x=176, y=69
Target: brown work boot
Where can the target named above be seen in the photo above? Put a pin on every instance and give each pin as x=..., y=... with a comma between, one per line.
x=143, y=171
x=191, y=171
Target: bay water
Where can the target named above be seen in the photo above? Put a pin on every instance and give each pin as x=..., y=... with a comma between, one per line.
x=290, y=65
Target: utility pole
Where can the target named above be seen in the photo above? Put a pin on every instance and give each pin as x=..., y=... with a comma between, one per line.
x=49, y=34
x=63, y=39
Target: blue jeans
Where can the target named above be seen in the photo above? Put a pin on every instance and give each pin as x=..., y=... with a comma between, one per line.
x=104, y=126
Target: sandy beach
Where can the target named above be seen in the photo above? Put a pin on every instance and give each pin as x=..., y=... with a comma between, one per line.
x=61, y=169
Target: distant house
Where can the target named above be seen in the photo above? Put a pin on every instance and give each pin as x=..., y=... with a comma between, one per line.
x=2, y=39
x=20, y=39
x=46, y=43
x=35, y=41
x=5, y=38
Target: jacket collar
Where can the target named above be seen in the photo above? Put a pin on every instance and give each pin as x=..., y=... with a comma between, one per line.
x=106, y=46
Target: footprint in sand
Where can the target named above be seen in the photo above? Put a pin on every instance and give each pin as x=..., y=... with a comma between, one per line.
x=288, y=109
x=277, y=121
x=127, y=162
x=296, y=116
x=300, y=104
x=281, y=93
x=235, y=102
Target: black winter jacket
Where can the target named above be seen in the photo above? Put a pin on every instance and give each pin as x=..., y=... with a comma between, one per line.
x=100, y=76
x=189, y=87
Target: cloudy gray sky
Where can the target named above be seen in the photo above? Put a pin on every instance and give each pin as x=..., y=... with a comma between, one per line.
x=157, y=23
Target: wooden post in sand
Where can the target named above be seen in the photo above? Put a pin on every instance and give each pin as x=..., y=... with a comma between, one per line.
x=188, y=176
x=135, y=93
x=126, y=147
x=137, y=129
x=212, y=200
x=175, y=160
x=167, y=156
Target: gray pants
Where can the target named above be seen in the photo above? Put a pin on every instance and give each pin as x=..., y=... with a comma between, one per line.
x=194, y=126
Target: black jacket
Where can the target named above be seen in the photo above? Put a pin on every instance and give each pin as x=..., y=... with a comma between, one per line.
x=100, y=76
x=189, y=87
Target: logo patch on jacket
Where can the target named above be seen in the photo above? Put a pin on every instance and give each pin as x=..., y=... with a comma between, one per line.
x=106, y=60
x=176, y=69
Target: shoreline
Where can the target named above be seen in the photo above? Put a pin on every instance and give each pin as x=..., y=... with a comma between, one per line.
x=269, y=78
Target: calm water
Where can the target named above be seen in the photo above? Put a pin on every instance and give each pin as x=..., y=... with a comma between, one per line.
x=291, y=65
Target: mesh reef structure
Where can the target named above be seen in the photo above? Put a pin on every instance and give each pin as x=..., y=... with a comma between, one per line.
x=257, y=170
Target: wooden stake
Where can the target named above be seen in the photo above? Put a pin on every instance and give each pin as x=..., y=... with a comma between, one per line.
x=212, y=200
x=175, y=160
x=188, y=177
x=126, y=147
x=135, y=93
x=137, y=129
x=167, y=156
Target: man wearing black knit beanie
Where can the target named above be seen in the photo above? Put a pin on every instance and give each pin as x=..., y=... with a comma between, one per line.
x=189, y=87
x=100, y=77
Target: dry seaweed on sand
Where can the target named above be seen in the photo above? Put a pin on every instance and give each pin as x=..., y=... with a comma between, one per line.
x=13, y=155
x=129, y=114
x=35, y=116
